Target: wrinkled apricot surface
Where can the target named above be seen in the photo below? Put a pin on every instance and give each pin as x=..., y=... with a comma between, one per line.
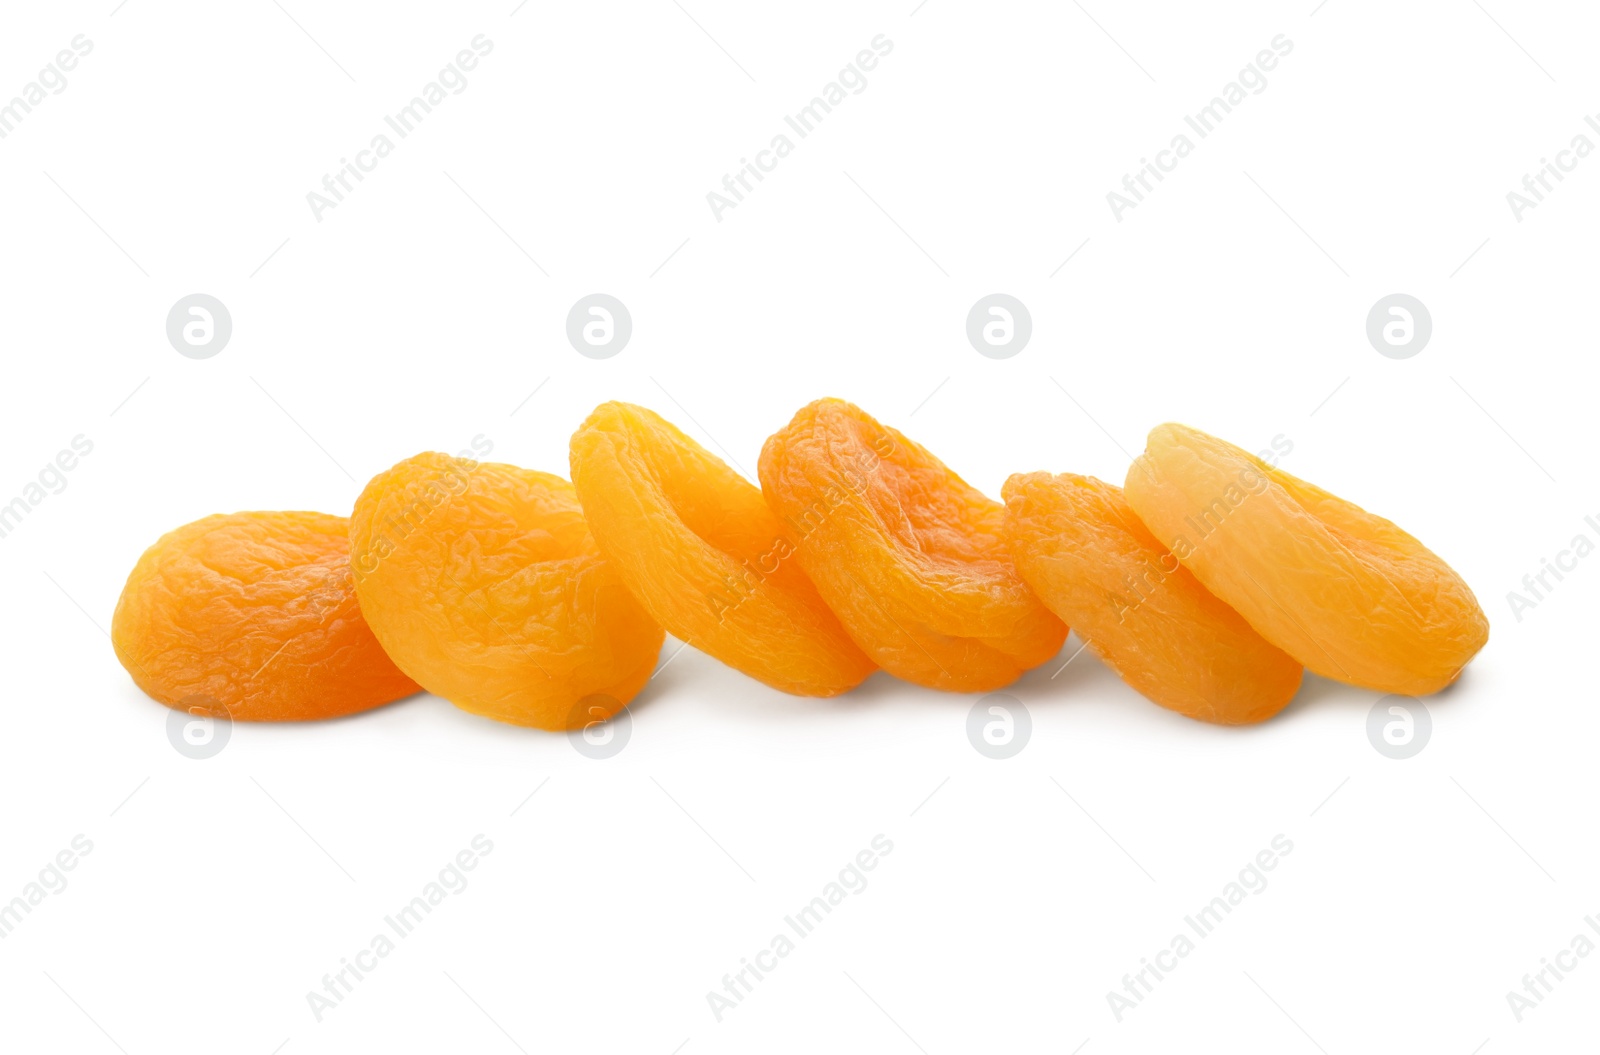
x=697, y=545
x=484, y=584
x=908, y=554
x=1346, y=593
x=1094, y=563
x=253, y=616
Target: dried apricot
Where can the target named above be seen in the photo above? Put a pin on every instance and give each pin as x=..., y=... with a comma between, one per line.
x=1346, y=593
x=908, y=554
x=1094, y=563
x=696, y=543
x=253, y=616
x=483, y=583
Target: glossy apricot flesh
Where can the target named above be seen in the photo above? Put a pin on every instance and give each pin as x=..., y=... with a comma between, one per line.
x=909, y=555
x=1094, y=563
x=1347, y=593
x=698, y=546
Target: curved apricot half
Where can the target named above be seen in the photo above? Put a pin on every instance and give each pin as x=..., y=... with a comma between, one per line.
x=484, y=584
x=698, y=546
x=253, y=616
x=908, y=554
x=1096, y=565
x=1346, y=593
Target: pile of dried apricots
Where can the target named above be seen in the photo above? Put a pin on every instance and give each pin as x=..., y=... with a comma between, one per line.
x=1209, y=581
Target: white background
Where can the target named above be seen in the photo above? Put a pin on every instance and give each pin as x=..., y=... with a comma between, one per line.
x=978, y=158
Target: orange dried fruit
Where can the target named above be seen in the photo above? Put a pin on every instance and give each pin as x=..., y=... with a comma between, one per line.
x=483, y=582
x=909, y=556
x=697, y=545
x=1079, y=545
x=1346, y=593
x=253, y=616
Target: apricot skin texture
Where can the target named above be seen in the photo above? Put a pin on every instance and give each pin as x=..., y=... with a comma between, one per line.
x=1347, y=593
x=483, y=582
x=253, y=616
x=1094, y=563
x=909, y=555
x=697, y=545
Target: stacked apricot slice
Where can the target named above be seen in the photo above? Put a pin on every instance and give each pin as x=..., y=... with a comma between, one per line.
x=1096, y=565
x=698, y=546
x=908, y=554
x=1346, y=593
x=1209, y=581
